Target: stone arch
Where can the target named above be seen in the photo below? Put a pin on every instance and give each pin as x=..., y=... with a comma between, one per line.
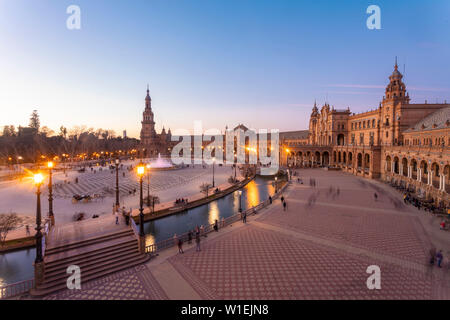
x=413, y=165
x=360, y=160
x=446, y=172
x=317, y=157
x=334, y=157
x=339, y=157
x=404, y=167
x=396, y=165
x=366, y=161
x=326, y=158
x=388, y=164
x=350, y=159
x=344, y=157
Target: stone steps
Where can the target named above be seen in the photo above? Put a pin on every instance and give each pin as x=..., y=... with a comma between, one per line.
x=96, y=257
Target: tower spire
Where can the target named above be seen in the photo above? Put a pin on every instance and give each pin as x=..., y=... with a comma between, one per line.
x=396, y=65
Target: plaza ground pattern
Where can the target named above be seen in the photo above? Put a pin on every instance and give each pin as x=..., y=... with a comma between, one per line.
x=319, y=248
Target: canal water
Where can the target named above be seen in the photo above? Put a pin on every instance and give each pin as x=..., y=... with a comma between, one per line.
x=17, y=265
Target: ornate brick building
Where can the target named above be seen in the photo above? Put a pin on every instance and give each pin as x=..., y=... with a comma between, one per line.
x=153, y=143
x=399, y=140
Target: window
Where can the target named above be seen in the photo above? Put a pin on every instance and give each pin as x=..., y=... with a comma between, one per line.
x=364, y=124
x=373, y=123
x=353, y=138
x=361, y=138
x=387, y=134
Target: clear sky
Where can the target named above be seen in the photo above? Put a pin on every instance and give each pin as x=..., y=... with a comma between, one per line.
x=257, y=62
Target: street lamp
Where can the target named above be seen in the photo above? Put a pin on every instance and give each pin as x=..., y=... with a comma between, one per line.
x=214, y=161
x=240, y=202
x=50, y=166
x=117, y=183
x=148, y=184
x=276, y=184
x=141, y=172
x=235, y=165
x=38, y=179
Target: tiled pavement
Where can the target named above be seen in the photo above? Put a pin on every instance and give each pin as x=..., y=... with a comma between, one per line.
x=320, y=251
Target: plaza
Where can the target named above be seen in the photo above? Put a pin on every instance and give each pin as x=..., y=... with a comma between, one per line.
x=317, y=250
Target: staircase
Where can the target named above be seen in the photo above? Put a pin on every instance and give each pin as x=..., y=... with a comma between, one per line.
x=97, y=256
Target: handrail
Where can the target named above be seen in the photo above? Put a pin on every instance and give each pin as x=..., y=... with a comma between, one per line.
x=167, y=243
x=15, y=289
x=134, y=226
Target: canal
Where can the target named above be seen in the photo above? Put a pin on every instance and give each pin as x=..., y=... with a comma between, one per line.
x=17, y=265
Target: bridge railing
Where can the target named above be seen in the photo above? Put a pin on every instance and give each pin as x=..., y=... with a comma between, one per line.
x=15, y=289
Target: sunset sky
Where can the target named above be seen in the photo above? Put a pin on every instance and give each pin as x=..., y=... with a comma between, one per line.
x=224, y=62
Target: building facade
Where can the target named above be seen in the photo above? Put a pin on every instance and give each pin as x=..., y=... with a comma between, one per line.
x=399, y=141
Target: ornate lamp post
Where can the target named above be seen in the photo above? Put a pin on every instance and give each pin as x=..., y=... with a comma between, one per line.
x=214, y=161
x=50, y=166
x=276, y=184
x=240, y=201
x=38, y=179
x=141, y=172
x=148, y=184
x=117, y=183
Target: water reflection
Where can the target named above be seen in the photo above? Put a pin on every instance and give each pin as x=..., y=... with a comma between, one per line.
x=253, y=193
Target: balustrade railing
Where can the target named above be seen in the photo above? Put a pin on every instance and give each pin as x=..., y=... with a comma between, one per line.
x=15, y=289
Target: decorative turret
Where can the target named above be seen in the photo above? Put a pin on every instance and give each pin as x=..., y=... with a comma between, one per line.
x=396, y=89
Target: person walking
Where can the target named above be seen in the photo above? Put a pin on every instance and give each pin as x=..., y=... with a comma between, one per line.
x=190, y=236
x=244, y=217
x=180, y=246
x=282, y=198
x=216, y=226
x=439, y=258
x=284, y=206
x=375, y=196
x=117, y=217
x=27, y=228
x=270, y=199
x=197, y=242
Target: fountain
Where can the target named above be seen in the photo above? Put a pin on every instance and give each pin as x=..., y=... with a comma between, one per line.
x=161, y=163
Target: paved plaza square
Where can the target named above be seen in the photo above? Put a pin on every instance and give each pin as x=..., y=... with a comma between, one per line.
x=319, y=248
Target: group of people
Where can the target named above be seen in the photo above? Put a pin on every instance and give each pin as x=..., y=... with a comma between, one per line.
x=181, y=201
x=125, y=214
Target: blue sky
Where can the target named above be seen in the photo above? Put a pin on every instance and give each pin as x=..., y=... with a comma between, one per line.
x=257, y=62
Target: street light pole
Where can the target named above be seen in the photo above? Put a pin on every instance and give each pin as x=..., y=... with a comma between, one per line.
x=141, y=172
x=148, y=186
x=117, y=184
x=240, y=201
x=38, y=178
x=214, y=161
x=50, y=193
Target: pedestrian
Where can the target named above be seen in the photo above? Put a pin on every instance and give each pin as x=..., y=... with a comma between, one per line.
x=439, y=258
x=375, y=196
x=282, y=198
x=216, y=226
x=270, y=199
x=244, y=217
x=432, y=255
x=27, y=228
x=117, y=217
x=284, y=206
x=180, y=246
x=197, y=242
x=190, y=236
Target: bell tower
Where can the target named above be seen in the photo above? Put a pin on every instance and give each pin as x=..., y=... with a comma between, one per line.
x=394, y=102
x=148, y=133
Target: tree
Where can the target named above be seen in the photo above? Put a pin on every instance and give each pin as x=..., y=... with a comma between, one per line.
x=35, y=123
x=8, y=222
x=63, y=132
x=204, y=188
